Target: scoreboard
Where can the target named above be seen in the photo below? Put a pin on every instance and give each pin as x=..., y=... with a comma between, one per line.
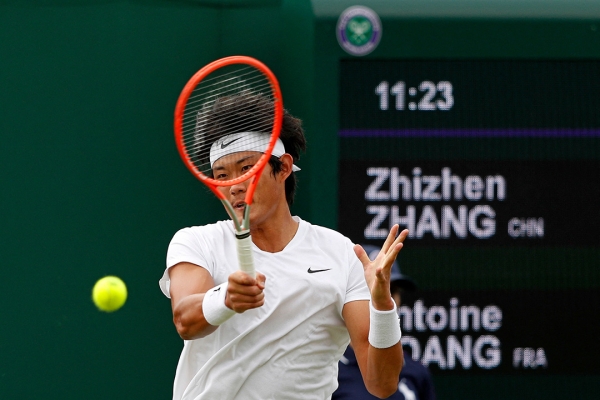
x=482, y=137
x=471, y=152
x=492, y=165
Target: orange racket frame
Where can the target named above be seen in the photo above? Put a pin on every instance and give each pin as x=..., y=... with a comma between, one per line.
x=256, y=170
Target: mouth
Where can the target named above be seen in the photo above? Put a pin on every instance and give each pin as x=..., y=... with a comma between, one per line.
x=239, y=205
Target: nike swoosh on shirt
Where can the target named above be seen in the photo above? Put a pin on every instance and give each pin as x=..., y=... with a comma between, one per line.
x=223, y=145
x=312, y=271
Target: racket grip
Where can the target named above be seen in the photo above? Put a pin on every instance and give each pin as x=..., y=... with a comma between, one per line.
x=244, y=248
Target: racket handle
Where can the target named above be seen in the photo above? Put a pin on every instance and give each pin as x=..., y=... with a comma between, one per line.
x=244, y=248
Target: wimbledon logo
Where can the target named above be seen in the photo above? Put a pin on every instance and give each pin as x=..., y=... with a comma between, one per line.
x=358, y=30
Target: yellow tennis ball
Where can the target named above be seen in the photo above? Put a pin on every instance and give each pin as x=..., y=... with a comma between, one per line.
x=109, y=293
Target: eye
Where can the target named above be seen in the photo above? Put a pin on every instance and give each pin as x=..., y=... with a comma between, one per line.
x=247, y=167
x=221, y=176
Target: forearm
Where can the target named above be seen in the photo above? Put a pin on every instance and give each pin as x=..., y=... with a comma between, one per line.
x=384, y=351
x=380, y=365
x=189, y=319
x=383, y=370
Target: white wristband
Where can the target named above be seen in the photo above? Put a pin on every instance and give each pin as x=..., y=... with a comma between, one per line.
x=213, y=306
x=384, y=329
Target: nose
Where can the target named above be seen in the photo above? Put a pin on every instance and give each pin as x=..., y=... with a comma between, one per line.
x=237, y=188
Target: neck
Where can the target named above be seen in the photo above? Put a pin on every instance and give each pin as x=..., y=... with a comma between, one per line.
x=273, y=235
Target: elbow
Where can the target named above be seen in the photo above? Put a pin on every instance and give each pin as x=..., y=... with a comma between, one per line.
x=183, y=329
x=189, y=329
x=386, y=384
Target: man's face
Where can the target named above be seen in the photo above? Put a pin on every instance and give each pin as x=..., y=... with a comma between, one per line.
x=268, y=191
x=234, y=165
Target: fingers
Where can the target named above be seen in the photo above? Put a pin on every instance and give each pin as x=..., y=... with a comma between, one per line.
x=260, y=280
x=362, y=255
x=245, y=292
x=378, y=277
x=396, y=246
x=403, y=235
x=390, y=251
x=390, y=257
x=390, y=238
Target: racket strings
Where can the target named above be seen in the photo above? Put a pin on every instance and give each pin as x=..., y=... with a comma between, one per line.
x=229, y=123
x=235, y=101
x=209, y=85
x=193, y=122
x=233, y=82
x=234, y=118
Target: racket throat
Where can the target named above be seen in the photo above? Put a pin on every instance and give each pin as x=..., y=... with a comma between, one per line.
x=244, y=245
x=246, y=221
x=244, y=224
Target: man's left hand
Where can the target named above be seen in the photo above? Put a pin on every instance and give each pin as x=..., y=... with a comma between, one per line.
x=379, y=270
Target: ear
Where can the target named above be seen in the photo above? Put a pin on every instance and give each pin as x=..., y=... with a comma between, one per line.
x=286, y=168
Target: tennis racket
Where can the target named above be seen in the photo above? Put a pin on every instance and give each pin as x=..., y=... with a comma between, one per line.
x=231, y=103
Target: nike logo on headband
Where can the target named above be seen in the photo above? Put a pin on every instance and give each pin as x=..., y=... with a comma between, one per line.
x=223, y=145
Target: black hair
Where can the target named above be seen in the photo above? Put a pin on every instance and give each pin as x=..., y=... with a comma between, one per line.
x=294, y=141
x=254, y=112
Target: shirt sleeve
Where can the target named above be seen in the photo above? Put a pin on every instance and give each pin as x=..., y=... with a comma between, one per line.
x=186, y=246
x=357, y=286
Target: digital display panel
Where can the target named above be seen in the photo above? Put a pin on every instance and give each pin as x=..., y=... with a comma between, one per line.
x=494, y=167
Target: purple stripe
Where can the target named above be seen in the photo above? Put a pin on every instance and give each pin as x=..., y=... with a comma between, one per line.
x=497, y=132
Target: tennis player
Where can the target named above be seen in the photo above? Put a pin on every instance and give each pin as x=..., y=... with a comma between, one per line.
x=281, y=334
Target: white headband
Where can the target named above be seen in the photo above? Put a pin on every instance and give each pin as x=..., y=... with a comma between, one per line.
x=245, y=141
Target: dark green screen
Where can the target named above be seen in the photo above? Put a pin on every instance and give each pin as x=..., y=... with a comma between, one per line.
x=529, y=82
x=493, y=166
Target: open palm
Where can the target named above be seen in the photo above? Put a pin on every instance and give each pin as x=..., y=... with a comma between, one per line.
x=379, y=270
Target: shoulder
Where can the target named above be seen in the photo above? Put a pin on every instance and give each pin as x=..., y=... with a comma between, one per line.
x=193, y=233
x=330, y=236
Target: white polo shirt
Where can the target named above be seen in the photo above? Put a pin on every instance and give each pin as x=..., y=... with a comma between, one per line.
x=290, y=347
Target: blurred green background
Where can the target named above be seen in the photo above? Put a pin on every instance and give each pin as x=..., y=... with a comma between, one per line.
x=92, y=183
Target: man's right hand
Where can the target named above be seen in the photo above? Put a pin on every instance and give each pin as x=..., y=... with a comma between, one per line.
x=245, y=292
